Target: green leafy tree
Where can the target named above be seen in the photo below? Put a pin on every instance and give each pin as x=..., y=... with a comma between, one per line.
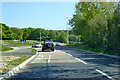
x=6, y=32
x=96, y=23
x=52, y=34
x=18, y=33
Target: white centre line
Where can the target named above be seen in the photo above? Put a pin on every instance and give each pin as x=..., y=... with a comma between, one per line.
x=49, y=58
x=38, y=58
x=81, y=60
x=104, y=74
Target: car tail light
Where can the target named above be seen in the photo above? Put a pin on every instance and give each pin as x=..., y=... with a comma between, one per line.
x=43, y=44
x=53, y=45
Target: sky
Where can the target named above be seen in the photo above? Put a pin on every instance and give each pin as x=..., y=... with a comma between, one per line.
x=47, y=15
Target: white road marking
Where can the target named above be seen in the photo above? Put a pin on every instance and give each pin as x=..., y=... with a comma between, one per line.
x=81, y=60
x=69, y=54
x=38, y=58
x=49, y=58
x=42, y=56
x=104, y=74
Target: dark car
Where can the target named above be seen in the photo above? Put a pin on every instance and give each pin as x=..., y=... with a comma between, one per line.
x=48, y=45
x=36, y=45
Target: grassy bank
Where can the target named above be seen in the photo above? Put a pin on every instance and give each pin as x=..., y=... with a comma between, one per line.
x=99, y=50
x=32, y=50
x=11, y=61
x=18, y=43
x=5, y=48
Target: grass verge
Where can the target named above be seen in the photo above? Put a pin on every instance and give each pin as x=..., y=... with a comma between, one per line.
x=32, y=50
x=18, y=43
x=99, y=50
x=11, y=61
x=5, y=48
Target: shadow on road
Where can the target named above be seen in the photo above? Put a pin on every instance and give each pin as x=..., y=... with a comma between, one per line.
x=45, y=51
x=70, y=70
x=91, y=57
x=61, y=71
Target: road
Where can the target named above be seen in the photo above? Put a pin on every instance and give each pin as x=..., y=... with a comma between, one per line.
x=65, y=63
x=18, y=50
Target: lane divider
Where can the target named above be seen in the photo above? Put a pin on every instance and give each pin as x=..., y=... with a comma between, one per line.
x=104, y=74
x=38, y=58
x=17, y=68
x=42, y=56
x=49, y=58
x=81, y=60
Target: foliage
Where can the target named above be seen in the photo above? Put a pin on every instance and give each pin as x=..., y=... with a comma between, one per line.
x=5, y=48
x=18, y=43
x=99, y=50
x=33, y=50
x=6, y=32
x=30, y=33
x=97, y=23
x=62, y=37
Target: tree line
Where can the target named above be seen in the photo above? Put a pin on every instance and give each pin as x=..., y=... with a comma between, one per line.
x=14, y=33
x=98, y=24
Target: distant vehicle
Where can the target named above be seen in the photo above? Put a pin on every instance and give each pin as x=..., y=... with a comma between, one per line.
x=36, y=45
x=15, y=40
x=48, y=45
x=57, y=44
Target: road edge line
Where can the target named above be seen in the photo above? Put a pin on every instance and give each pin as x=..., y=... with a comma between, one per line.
x=81, y=60
x=104, y=74
x=17, y=68
x=69, y=54
x=112, y=56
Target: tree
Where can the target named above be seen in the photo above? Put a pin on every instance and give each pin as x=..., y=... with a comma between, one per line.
x=52, y=34
x=6, y=32
x=62, y=37
x=18, y=33
x=96, y=23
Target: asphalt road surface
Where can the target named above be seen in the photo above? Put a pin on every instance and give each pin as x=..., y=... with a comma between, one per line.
x=65, y=63
x=19, y=50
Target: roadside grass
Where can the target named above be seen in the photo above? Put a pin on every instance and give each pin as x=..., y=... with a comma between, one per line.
x=99, y=50
x=32, y=50
x=18, y=43
x=63, y=43
x=11, y=61
x=5, y=48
